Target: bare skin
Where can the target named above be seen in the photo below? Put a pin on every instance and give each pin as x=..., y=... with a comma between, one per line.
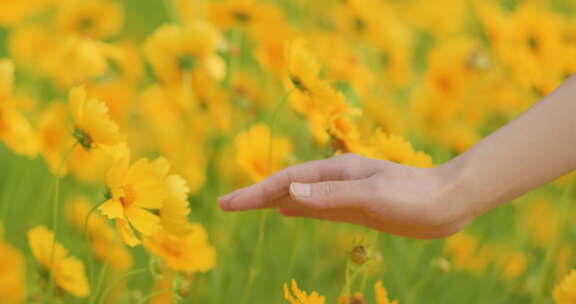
x=532, y=150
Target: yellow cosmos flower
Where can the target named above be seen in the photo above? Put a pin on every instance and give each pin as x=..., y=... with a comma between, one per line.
x=135, y=190
x=188, y=253
x=175, y=210
x=172, y=51
x=298, y=296
x=382, y=294
x=253, y=149
x=6, y=79
x=15, y=12
x=94, y=18
x=89, y=166
x=68, y=271
x=303, y=75
x=12, y=288
x=94, y=128
x=247, y=14
x=24, y=43
x=15, y=130
x=467, y=254
x=565, y=292
x=356, y=298
x=311, y=96
x=394, y=148
x=86, y=60
x=54, y=135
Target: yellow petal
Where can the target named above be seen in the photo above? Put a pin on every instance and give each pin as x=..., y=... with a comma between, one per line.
x=72, y=278
x=127, y=233
x=143, y=221
x=40, y=240
x=113, y=209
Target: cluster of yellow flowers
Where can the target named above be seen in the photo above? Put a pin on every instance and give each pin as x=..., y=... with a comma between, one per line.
x=156, y=116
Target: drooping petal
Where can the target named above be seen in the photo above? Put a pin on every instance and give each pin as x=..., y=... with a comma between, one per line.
x=143, y=221
x=127, y=233
x=40, y=240
x=174, y=212
x=72, y=277
x=113, y=209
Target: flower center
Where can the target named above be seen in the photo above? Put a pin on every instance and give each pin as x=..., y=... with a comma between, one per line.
x=241, y=17
x=297, y=83
x=129, y=196
x=83, y=138
x=186, y=62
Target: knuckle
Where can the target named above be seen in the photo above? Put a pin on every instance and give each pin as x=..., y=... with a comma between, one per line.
x=326, y=189
x=347, y=157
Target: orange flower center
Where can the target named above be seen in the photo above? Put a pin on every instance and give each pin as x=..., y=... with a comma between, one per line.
x=129, y=195
x=172, y=248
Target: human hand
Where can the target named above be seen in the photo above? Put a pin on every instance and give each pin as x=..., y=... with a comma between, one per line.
x=389, y=197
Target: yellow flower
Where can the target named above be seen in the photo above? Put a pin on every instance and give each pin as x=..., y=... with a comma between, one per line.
x=311, y=96
x=135, y=190
x=188, y=253
x=172, y=51
x=565, y=291
x=88, y=166
x=303, y=77
x=86, y=60
x=15, y=12
x=253, y=152
x=68, y=271
x=54, y=135
x=394, y=148
x=94, y=18
x=24, y=43
x=15, y=130
x=6, y=79
x=539, y=219
x=174, y=211
x=467, y=254
x=382, y=294
x=12, y=288
x=356, y=298
x=300, y=297
x=94, y=128
x=244, y=14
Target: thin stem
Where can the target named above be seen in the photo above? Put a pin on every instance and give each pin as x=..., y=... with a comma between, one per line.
x=87, y=237
x=122, y=277
x=100, y=280
x=153, y=294
x=55, y=211
x=264, y=213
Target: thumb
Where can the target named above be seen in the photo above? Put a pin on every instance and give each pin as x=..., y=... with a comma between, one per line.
x=333, y=194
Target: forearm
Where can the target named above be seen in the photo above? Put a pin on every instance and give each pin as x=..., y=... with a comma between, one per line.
x=534, y=149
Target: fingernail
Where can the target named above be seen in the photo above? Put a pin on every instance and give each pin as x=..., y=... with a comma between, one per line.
x=300, y=190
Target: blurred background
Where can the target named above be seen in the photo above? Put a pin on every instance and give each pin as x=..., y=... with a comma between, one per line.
x=229, y=92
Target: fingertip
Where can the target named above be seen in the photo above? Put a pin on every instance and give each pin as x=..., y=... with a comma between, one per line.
x=224, y=204
x=226, y=200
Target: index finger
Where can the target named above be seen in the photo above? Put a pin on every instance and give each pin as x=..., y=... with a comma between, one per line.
x=265, y=192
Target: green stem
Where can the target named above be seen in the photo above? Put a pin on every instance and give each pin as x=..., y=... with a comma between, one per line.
x=122, y=277
x=264, y=213
x=153, y=294
x=55, y=211
x=87, y=237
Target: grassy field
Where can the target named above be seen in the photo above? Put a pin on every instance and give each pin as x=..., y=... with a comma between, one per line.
x=188, y=100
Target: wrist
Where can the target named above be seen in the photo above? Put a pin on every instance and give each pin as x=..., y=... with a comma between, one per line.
x=455, y=194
